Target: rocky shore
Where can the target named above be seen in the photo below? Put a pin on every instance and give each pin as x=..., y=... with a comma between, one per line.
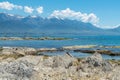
x=107, y=52
x=25, y=64
x=90, y=49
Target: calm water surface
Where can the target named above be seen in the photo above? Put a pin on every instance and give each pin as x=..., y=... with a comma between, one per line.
x=76, y=40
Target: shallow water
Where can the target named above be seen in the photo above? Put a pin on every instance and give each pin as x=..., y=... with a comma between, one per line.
x=76, y=40
x=80, y=55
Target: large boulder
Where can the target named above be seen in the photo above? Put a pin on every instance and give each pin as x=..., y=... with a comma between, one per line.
x=16, y=70
x=63, y=61
x=96, y=61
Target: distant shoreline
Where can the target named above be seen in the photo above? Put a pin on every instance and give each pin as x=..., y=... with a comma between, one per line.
x=32, y=38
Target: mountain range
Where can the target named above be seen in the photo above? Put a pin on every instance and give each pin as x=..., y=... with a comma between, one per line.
x=35, y=24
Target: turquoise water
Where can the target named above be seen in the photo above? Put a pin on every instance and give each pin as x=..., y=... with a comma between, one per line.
x=76, y=40
x=80, y=55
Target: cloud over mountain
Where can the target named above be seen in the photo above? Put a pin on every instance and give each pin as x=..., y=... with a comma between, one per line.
x=73, y=15
x=60, y=14
x=39, y=9
x=9, y=6
x=28, y=9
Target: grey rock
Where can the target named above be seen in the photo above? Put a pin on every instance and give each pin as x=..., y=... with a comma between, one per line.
x=96, y=60
x=17, y=70
x=60, y=67
x=18, y=50
x=63, y=61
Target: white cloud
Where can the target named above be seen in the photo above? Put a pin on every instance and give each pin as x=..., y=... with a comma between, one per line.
x=39, y=9
x=9, y=6
x=28, y=9
x=109, y=27
x=70, y=14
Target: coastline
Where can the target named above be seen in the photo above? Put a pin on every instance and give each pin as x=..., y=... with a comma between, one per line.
x=29, y=65
x=77, y=49
x=34, y=38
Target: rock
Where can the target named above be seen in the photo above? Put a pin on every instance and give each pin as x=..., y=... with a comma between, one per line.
x=93, y=51
x=19, y=50
x=107, y=52
x=35, y=60
x=115, y=75
x=62, y=67
x=31, y=38
x=63, y=61
x=1, y=48
x=48, y=50
x=11, y=38
x=77, y=47
x=96, y=61
x=17, y=70
x=30, y=51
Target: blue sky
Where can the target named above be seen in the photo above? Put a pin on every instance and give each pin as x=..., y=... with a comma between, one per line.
x=107, y=11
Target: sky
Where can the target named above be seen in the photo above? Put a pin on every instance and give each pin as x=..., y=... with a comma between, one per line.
x=101, y=13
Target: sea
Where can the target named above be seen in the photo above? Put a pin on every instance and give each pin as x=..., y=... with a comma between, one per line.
x=74, y=39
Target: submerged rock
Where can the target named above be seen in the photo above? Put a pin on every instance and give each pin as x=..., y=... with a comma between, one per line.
x=32, y=38
x=78, y=47
x=107, y=52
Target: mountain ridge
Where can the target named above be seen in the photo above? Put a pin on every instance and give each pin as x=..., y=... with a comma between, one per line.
x=15, y=23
